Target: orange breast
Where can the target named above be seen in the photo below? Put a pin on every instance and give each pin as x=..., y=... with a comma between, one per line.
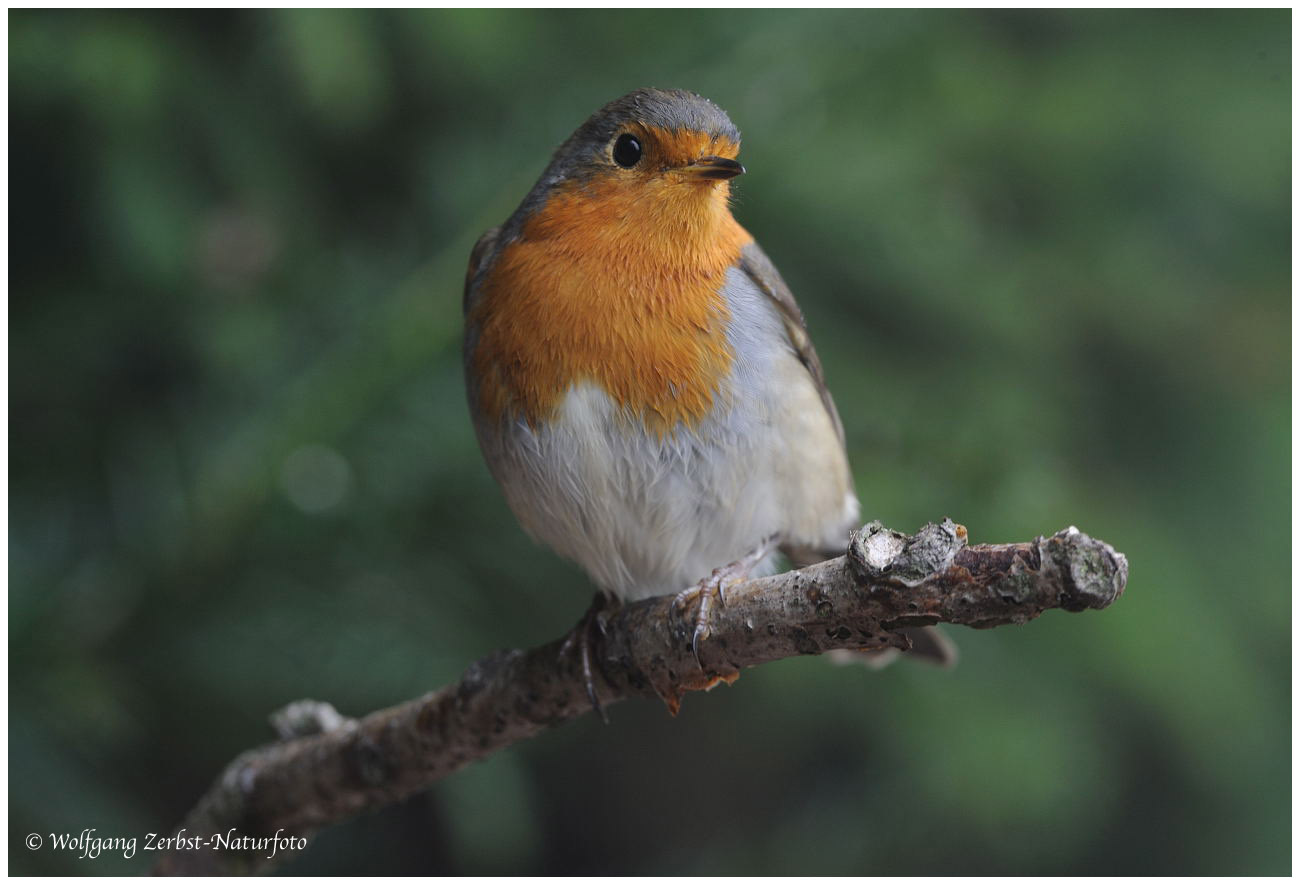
x=617, y=283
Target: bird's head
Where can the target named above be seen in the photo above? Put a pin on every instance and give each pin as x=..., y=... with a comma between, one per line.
x=652, y=155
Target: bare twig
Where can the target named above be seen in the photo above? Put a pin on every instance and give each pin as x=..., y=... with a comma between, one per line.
x=886, y=582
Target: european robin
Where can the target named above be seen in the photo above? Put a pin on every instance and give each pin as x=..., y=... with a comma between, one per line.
x=640, y=377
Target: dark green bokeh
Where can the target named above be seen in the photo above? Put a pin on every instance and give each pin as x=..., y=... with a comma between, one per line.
x=1045, y=258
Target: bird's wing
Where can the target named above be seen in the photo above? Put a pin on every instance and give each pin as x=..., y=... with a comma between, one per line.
x=482, y=249
x=929, y=643
x=755, y=263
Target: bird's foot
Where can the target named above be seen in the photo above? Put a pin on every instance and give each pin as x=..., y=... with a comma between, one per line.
x=579, y=638
x=713, y=588
x=706, y=591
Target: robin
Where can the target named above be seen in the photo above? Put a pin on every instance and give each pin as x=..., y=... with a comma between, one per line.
x=640, y=377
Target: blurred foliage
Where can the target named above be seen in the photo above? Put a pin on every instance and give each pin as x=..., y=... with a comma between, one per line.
x=1045, y=257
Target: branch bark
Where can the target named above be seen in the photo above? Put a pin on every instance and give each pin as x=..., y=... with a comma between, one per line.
x=886, y=581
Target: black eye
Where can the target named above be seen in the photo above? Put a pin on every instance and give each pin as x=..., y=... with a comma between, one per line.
x=627, y=150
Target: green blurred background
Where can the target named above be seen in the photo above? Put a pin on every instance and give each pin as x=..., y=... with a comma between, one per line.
x=1046, y=260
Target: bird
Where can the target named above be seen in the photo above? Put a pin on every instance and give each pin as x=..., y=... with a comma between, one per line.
x=640, y=377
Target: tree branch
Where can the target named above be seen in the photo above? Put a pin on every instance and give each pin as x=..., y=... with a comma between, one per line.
x=886, y=581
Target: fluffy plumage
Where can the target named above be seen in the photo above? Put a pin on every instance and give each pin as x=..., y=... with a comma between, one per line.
x=640, y=377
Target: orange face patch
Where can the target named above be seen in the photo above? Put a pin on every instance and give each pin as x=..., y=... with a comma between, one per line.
x=616, y=281
x=671, y=149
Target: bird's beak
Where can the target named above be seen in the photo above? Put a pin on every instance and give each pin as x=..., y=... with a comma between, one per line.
x=714, y=168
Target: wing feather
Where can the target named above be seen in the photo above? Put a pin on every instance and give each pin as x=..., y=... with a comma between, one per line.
x=485, y=246
x=755, y=263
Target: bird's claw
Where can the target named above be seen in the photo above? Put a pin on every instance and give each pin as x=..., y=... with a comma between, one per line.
x=708, y=590
x=580, y=636
x=714, y=588
x=700, y=633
